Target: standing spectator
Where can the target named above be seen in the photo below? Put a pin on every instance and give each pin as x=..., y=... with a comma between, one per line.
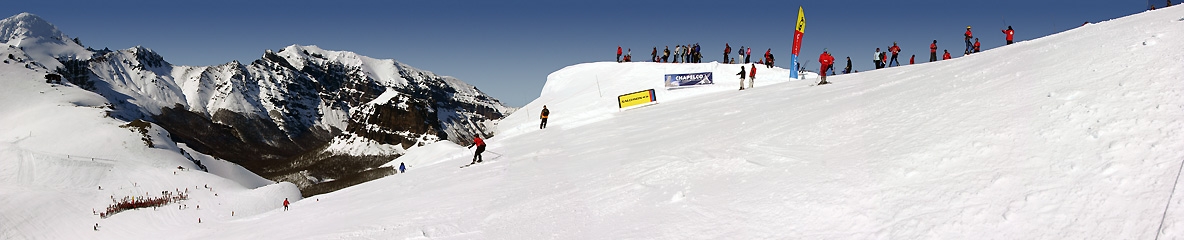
x=618, y=53
x=654, y=55
x=285, y=204
x=739, y=55
x=879, y=63
x=847, y=69
x=546, y=113
x=895, y=50
x=727, y=52
x=751, y=76
x=747, y=54
x=826, y=60
x=769, y=64
x=1011, y=34
x=967, y=36
x=946, y=56
x=402, y=167
x=741, y=77
x=677, y=53
x=480, y=149
x=666, y=54
x=911, y=59
x=933, y=51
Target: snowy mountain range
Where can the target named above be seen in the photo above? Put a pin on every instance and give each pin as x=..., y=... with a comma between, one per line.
x=301, y=114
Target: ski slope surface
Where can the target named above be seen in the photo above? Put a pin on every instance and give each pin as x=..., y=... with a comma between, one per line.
x=1077, y=135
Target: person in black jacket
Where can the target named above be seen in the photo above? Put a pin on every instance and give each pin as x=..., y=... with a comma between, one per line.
x=544, y=116
x=847, y=69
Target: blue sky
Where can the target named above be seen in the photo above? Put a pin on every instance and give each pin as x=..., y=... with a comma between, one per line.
x=507, y=48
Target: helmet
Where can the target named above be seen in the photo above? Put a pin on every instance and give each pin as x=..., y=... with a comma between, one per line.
x=967, y=27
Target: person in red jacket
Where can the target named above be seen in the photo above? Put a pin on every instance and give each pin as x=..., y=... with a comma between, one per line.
x=727, y=50
x=894, y=50
x=480, y=149
x=618, y=53
x=285, y=204
x=826, y=60
x=933, y=51
x=946, y=56
x=977, y=45
x=967, y=36
x=1010, y=35
x=751, y=76
x=911, y=59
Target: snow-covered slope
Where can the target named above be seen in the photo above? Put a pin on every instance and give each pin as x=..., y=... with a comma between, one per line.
x=1041, y=139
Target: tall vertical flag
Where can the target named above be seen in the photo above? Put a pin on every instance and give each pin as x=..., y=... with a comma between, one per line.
x=797, y=42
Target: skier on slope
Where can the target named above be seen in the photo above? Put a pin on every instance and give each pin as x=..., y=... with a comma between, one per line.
x=933, y=51
x=894, y=50
x=1010, y=35
x=751, y=76
x=826, y=60
x=967, y=36
x=285, y=204
x=546, y=113
x=480, y=149
x=618, y=53
x=402, y=167
x=741, y=77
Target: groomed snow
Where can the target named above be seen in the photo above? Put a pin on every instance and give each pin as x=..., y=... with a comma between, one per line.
x=1078, y=135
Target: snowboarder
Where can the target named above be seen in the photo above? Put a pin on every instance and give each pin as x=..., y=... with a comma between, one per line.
x=826, y=60
x=976, y=45
x=933, y=51
x=895, y=50
x=480, y=148
x=751, y=76
x=727, y=51
x=967, y=36
x=618, y=53
x=543, y=116
x=402, y=167
x=285, y=204
x=877, y=60
x=946, y=56
x=847, y=69
x=741, y=77
x=1010, y=35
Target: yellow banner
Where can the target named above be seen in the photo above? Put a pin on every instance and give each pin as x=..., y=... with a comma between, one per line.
x=637, y=98
x=801, y=20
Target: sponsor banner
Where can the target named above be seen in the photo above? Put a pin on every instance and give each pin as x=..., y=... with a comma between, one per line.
x=636, y=98
x=688, y=79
